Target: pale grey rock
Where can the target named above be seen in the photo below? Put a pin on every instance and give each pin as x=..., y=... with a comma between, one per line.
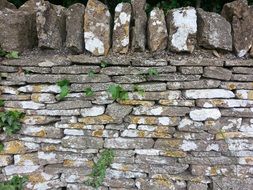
x=204, y=114
x=182, y=26
x=82, y=142
x=74, y=27
x=217, y=73
x=97, y=28
x=128, y=143
x=214, y=32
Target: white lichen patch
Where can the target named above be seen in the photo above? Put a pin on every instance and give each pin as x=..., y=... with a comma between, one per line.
x=93, y=43
x=185, y=20
x=209, y=93
x=204, y=114
x=188, y=145
x=164, y=120
x=93, y=111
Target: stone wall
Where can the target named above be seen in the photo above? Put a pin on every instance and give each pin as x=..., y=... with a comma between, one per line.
x=190, y=129
x=94, y=29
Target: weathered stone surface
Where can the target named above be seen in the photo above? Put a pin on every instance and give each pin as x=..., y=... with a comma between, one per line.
x=237, y=112
x=5, y=160
x=162, y=111
x=24, y=105
x=43, y=98
x=69, y=105
x=162, y=184
x=242, y=77
x=12, y=169
x=224, y=103
x=51, y=25
x=236, y=85
x=167, y=95
x=48, y=132
x=6, y=4
x=74, y=27
x=174, y=77
x=19, y=147
x=113, y=111
x=188, y=103
x=16, y=30
x=121, y=30
x=48, y=112
x=93, y=111
x=242, y=70
x=194, y=186
x=101, y=119
x=128, y=143
x=227, y=183
x=76, y=69
x=82, y=142
x=202, y=83
x=146, y=134
x=157, y=35
x=97, y=32
x=191, y=70
x=239, y=14
x=171, y=121
x=208, y=93
x=217, y=73
x=182, y=26
x=186, y=124
x=214, y=31
x=140, y=24
x=204, y=114
x=197, y=62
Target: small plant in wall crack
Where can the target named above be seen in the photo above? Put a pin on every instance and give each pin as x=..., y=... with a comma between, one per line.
x=104, y=63
x=88, y=92
x=139, y=90
x=117, y=92
x=91, y=73
x=98, y=171
x=9, y=54
x=64, y=85
x=152, y=72
x=16, y=183
x=10, y=121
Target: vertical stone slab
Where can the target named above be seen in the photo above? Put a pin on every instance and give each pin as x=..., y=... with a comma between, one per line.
x=214, y=32
x=140, y=25
x=157, y=30
x=74, y=27
x=121, y=30
x=51, y=24
x=239, y=14
x=15, y=30
x=182, y=29
x=97, y=28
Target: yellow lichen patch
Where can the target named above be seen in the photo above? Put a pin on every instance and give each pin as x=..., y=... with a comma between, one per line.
x=250, y=95
x=166, y=102
x=36, y=97
x=175, y=143
x=141, y=134
x=176, y=154
x=37, y=88
x=231, y=86
x=136, y=102
x=27, y=158
x=36, y=178
x=49, y=148
x=165, y=183
x=249, y=160
x=217, y=102
x=213, y=170
x=124, y=168
x=102, y=119
x=98, y=133
x=90, y=163
x=223, y=135
x=34, y=119
x=209, y=123
x=68, y=163
x=161, y=134
x=14, y=147
x=41, y=133
x=151, y=120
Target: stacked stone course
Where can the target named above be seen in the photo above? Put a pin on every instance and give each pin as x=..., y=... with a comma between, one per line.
x=191, y=129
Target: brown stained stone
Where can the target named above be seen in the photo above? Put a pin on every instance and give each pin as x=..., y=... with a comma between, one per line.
x=214, y=32
x=121, y=30
x=140, y=25
x=50, y=21
x=182, y=29
x=97, y=32
x=74, y=28
x=157, y=30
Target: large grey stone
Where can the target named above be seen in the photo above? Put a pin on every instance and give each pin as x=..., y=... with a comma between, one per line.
x=97, y=28
x=121, y=30
x=214, y=32
x=128, y=143
x=6, y=4
x=51, y=25
x=228, y=183
x=16, y=30
x=118, y=112
x=140, y=24
x=217, y=73
x=182, y=26
x=74, y=27
x=157, y=31
x=82, y=142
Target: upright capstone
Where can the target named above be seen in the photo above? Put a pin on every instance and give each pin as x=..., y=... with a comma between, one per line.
x=97, y=28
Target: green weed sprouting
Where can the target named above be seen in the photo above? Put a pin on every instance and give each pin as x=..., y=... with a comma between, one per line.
x=64, y=85
x=98, y=171
x=139, y=90
x=9, y=54
x=16, y=183
x=117, y=92
x=88, y=92
x=10, y=121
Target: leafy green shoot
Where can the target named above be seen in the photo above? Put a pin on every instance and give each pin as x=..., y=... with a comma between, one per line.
x=91, y=73
x=64, y=85
x=117, y=92
x=9, y=54
x=152, y=72
x=104, y=63
x=88, y=92
x=99, y=169
x=16, y=183
x=1, y=103
x=10, y=121
x=139, y=90
x=1, y=146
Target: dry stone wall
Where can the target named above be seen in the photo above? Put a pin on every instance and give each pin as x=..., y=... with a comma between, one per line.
x=189, y=128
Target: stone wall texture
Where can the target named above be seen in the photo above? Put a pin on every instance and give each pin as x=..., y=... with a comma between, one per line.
x=192, y=128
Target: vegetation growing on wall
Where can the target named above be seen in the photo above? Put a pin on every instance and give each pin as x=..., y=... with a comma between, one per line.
x=16, y=183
